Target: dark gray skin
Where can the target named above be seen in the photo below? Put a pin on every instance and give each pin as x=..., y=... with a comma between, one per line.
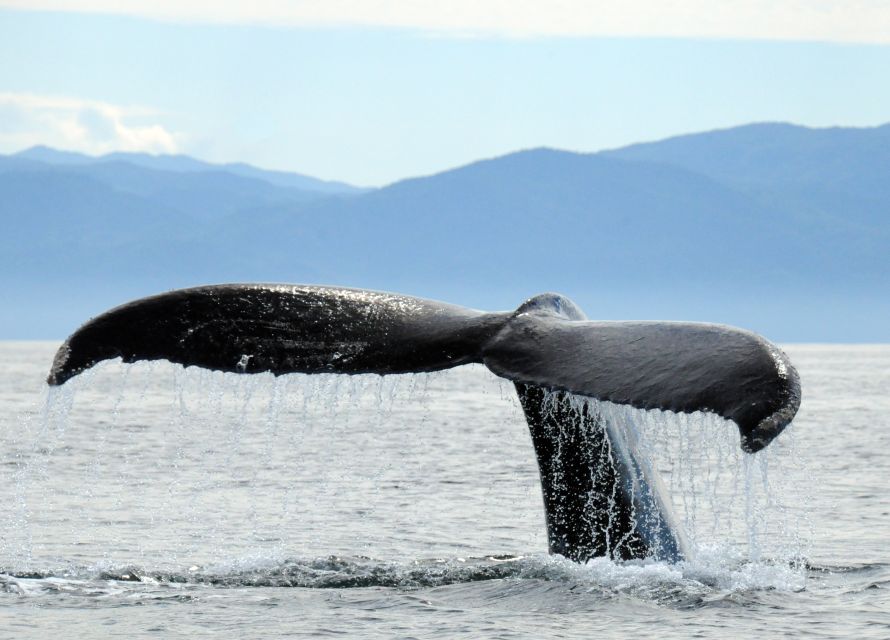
x=600, y=498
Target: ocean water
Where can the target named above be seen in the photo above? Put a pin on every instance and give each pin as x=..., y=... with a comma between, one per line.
x=153, y=501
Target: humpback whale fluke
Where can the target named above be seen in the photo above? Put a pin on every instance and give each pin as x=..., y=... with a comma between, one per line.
x=547, y=347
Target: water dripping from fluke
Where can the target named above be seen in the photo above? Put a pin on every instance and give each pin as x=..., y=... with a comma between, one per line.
x=592, y=392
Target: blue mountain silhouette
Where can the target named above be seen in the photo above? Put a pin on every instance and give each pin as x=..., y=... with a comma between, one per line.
x=780, y=228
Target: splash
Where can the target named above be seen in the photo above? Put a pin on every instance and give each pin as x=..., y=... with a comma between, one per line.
x=672, y=584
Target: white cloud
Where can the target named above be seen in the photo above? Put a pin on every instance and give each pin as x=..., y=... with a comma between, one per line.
x=823, y=20
x=82, y=125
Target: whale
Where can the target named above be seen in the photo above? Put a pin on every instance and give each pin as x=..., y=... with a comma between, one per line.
x=601, y=496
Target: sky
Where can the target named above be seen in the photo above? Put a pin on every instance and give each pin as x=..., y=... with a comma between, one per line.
x=370, y=92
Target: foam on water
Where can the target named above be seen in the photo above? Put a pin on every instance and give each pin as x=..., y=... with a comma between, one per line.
x=646, y=578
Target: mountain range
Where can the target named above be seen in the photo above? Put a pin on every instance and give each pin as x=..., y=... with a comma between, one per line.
x=775, y=227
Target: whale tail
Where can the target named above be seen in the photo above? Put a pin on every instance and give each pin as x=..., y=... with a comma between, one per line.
x=547, y=342
x=546, y=346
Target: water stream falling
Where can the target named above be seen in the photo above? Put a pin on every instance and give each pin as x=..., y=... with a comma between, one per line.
x=150, y=472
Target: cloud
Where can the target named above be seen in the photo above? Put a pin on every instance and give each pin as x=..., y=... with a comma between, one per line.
x=821, y=20
x=82, y=125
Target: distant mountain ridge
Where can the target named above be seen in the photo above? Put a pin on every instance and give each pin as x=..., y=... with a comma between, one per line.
x=836, y=173
x=767, y=152
x=782, y=229
x=182, y=163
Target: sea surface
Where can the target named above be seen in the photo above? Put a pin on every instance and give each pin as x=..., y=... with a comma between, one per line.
x=148, y=500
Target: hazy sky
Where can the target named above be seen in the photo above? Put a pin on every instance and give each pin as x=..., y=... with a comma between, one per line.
x=371, y=91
